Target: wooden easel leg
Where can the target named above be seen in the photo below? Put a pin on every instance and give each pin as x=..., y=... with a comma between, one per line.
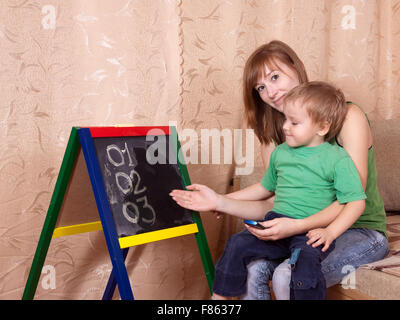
x=112, y=281
x=57, y=198
x=39, y=258
x=204, y=251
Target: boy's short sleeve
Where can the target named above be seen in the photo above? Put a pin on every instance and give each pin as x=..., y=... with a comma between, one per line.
x=347, y=182
x=269, y=179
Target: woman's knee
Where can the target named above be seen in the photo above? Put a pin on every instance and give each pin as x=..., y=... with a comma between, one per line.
x=281, y=281
x=259, y=274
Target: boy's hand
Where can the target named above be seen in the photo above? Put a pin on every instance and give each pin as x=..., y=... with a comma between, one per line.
x=201, y=198
x=320, y=236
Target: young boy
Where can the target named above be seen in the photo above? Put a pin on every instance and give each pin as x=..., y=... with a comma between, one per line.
x=306, y=174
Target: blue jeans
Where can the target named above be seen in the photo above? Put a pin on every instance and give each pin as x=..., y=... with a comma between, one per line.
x=353, y=248
x=307, y=280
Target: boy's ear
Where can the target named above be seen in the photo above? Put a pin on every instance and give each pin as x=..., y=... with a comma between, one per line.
x=324, y=128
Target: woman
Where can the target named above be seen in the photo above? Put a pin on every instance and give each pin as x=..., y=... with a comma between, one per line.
x=270, y=73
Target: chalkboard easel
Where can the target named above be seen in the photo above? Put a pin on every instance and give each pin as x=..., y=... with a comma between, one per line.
x=131, y=171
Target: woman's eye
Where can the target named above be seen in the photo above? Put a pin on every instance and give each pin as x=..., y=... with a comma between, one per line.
x=260, y=88
x=275, y=77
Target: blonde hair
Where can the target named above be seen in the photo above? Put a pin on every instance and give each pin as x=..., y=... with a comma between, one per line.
x=266, y=121
x=323, y=102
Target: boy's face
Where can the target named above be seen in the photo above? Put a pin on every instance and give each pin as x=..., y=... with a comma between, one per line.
x=299, y=128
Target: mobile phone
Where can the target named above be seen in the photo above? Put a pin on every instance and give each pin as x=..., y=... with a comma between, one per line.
x=254, y=224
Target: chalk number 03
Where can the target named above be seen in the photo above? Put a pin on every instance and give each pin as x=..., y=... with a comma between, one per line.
x=131, y=184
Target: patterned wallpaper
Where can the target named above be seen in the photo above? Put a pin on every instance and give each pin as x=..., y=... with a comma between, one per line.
x=76, y=63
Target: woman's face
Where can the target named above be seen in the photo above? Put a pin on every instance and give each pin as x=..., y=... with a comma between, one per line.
x=275, y=84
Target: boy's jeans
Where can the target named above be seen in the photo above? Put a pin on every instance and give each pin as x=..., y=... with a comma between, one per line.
x=352, y=249
x=307, y=280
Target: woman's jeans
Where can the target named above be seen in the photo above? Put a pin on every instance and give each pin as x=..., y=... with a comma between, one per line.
x=353, y=248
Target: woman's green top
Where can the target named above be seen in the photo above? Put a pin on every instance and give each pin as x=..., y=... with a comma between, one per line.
x=374, y=215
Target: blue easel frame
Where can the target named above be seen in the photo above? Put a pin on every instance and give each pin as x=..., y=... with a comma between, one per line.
x=116, y=255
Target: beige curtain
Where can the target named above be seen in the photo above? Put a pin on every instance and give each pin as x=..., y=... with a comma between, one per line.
x=101, y=62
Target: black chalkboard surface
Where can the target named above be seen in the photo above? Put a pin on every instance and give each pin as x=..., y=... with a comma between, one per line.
x=138, y=191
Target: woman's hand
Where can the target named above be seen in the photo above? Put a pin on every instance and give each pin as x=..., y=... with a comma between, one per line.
x=320, y=236
x=201, y=198
x=278, y=228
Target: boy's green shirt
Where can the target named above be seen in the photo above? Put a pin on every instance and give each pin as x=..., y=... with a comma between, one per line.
x=308, y=179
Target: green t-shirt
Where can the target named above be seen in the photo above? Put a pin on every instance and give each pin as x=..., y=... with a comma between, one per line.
x=308, y=179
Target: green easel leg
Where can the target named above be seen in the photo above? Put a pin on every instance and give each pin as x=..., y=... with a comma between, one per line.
x=52, y=215
x=204, y=251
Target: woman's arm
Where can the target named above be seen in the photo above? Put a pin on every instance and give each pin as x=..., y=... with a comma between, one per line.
x=356, y=139
x=350, y=213
x=266, y=150
x=202, y=198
